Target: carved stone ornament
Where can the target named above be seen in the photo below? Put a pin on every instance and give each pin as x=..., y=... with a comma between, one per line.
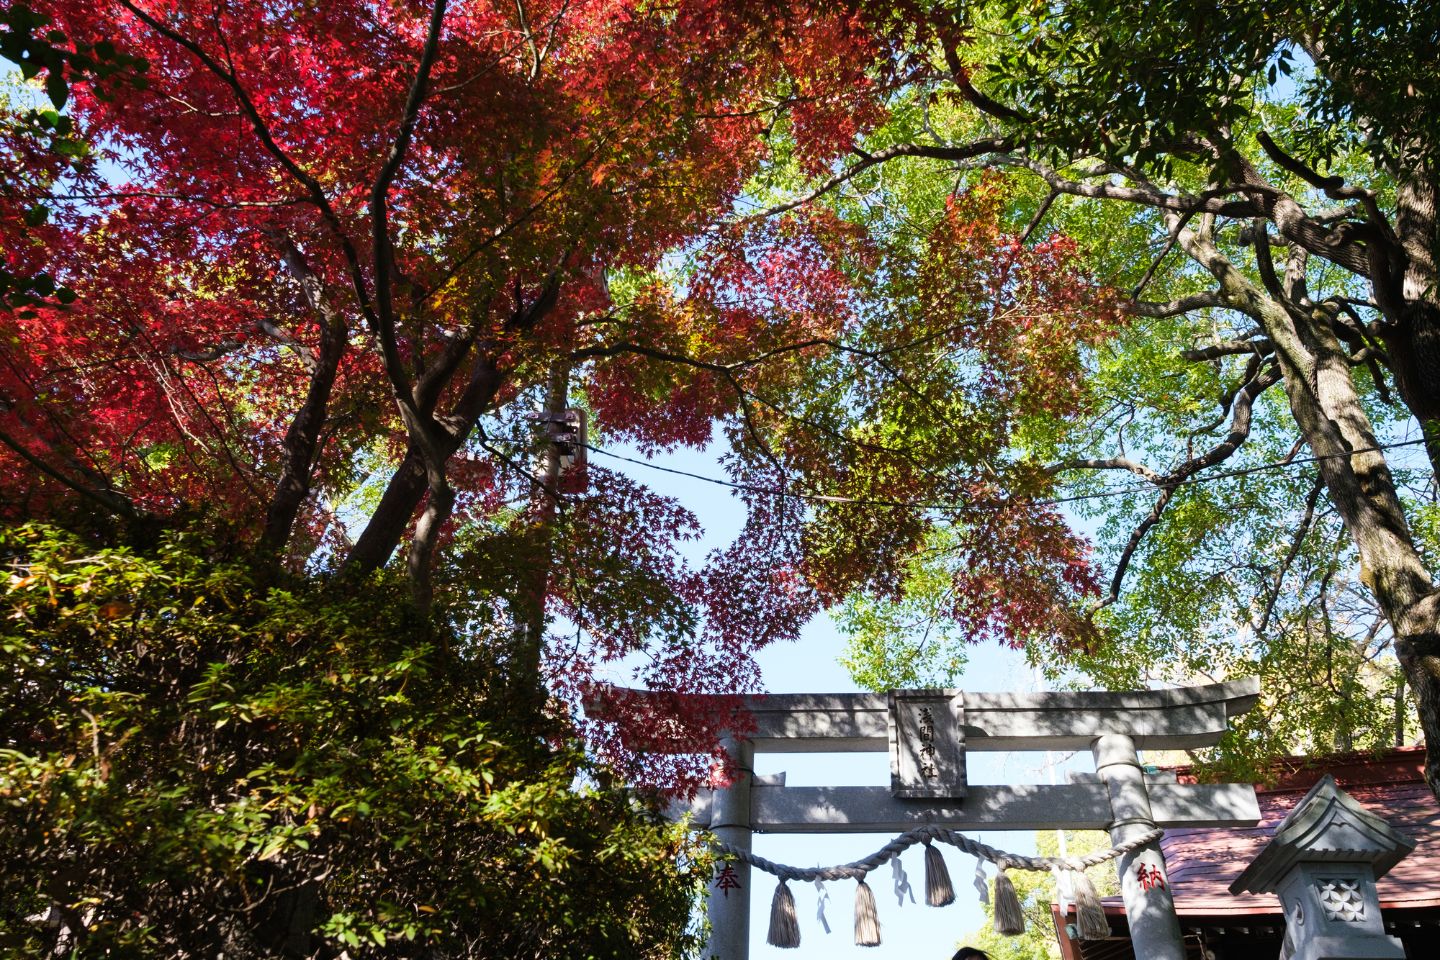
x=1341, y=898
x=927, y=744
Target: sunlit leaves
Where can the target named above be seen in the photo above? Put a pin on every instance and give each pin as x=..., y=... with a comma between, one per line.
x=181, y=740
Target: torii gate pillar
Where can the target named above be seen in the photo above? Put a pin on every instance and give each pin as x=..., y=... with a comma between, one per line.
x=729, y=903
x=1144, y=882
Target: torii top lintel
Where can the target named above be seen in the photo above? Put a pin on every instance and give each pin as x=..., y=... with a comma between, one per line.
x=1169, y=719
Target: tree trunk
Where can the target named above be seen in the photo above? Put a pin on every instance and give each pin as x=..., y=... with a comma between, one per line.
x=387, y=524
x=408, y=484
x=1419, y=653
x=1412, y=338
x=421, y=560
x=302, y=439
x=1327, y=407
x=1407, y=295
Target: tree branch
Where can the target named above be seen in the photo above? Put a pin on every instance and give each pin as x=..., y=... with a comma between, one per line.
x=302, y=437
x=267, y=140
x=1291, y=165
x=1338, y=245
x=1109, y=463
x=1296, y=542
x=110, y=501
x=384, y=250
x=1136, y=536
x=408, y=485
x=1039, y=217
x=1259, y=346
x=1170, y=482
x=1212, y=201
x=960, y=74
x=934, y=152
x=1174, y=235
x=1173, y=308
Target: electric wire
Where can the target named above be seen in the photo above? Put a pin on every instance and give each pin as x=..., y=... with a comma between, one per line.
x=1049, y=502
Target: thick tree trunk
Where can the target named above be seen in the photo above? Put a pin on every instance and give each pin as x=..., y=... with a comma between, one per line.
x=1407, y=294
x=1326, y=405
x=1419, y=653
x=1411, y=301
x=421, y=561
x=408, y=484
x=387, y=524
x=1334, y=423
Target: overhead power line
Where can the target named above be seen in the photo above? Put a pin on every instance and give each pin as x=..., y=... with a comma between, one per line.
x=1053, y=502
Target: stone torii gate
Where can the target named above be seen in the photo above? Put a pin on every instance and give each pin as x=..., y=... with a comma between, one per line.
x=927, y=733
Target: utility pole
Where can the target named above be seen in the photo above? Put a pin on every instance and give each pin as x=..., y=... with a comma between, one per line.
x=559, y=467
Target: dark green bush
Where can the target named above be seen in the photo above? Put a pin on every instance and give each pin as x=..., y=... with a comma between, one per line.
x=195, y=762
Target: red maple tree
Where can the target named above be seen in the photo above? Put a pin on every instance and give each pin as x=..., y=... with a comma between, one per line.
x=326, y=255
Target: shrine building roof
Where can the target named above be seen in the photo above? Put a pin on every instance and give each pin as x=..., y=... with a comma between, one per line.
x=1203, y=862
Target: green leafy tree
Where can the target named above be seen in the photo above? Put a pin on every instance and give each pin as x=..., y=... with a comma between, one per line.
x=194, y=761
x=1254, y=451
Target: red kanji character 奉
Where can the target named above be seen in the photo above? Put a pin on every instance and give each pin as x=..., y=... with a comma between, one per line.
x=727, y=880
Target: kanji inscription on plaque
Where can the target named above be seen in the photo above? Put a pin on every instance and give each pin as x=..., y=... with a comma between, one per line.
x=927, y=743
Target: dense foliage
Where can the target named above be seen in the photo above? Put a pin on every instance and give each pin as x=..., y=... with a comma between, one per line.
x=1253, y=452
x=326, y=261
x=194, y=761
x=317, y=264
x=1029, y=278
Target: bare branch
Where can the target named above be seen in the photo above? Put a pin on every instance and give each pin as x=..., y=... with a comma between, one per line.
x=1212, y=201
x=1170, y=482
x=302, y=438
x=306, y=355
x=960, y=74
x=1036, y=220
x=1239, y=427
x=208, y=354
x=1194, y=301
x=1226, y=399
x=931, y=151
x=1175, y=229
x=1292, y=165
x=1333, y=186
x=1109, y=463
x=1259, y=346
x=409, y=482
x=1296, y=541
x=1340, y=245
x=1136, y=536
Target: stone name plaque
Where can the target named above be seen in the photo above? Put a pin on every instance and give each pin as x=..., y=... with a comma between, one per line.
x=927, y=744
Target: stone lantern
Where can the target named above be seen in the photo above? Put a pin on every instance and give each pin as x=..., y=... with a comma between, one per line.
x=1323, y=863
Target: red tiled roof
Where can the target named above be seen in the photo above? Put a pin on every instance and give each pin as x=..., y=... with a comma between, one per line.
x=1202, y=862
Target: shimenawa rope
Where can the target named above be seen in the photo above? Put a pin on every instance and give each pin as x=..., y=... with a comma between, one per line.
x=1009, y=919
